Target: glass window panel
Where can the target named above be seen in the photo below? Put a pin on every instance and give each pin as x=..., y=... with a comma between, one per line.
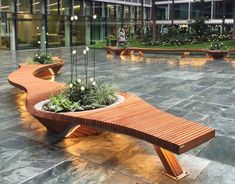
x=4, y=6
x=24, y=6
x=79, y=32
x=118, y=10
x=4, y=31
x=138, y=12
x=127, y=12
x=77, y=7
x=55, y=29
x=36, y=6
x=28, y=33
x=87, y=8
x=198, y=7
x=229, y=9
x=111, y=10
x=62, y=6
x=98, y=9
x=181, y=11
x=218, y=9
x=52, y=7
x=162, y=12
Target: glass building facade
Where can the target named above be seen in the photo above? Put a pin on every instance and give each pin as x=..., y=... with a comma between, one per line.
x=188, y=9
x=23, y=23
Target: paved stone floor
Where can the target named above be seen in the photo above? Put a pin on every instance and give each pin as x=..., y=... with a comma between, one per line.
x=198, y=90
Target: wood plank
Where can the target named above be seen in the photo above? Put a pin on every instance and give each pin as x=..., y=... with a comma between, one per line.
x=133, y=117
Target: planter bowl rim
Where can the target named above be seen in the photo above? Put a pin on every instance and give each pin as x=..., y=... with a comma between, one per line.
x=39, y=106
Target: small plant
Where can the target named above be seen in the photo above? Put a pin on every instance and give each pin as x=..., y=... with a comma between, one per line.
x=216, y=44
x=79, y=96
x=43, y=59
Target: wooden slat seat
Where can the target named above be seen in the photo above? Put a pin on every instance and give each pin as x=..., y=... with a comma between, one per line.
x=129, y=50
x=135, y=117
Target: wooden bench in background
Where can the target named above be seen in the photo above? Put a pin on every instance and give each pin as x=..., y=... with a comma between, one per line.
x=128, y=51
x=169, y=134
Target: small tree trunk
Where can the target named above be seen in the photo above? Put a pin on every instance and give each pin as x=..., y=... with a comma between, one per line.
x=154, y=20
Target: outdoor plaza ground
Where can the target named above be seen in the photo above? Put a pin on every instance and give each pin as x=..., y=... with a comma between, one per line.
x=197, y=89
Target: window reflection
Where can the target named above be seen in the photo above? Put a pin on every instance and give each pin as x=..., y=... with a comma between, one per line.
x=52, y=7
x=36, y=6
x=4, y=6
x=24, y=6
x=162, y=12
x=181, y=11
x=77, y=7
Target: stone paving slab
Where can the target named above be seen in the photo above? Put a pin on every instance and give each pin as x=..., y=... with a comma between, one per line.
x=29, y=154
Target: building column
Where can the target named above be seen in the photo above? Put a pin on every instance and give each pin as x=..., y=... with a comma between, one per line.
x=82, y=10
x=212, y=9
x=13, y=26
x=190, y=12
x=88, y=30
x=43, y=27
x=132, y=13
x=68, y=24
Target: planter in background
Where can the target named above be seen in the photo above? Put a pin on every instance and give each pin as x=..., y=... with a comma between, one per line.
x=217, y=54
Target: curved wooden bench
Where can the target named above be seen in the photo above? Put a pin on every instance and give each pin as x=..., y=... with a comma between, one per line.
x=129, y=50
x=135, y=117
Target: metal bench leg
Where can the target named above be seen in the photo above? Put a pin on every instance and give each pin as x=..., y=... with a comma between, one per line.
x=171, y=164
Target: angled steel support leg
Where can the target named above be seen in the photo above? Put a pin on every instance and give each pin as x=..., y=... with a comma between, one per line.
x=170, y=163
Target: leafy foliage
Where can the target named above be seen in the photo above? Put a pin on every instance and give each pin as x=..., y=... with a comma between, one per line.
x=199, y=27
x=195, y=32
x=80, y=96
x=216, y=44
x=42, y=59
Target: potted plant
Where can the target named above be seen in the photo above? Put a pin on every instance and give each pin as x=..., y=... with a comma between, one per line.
x=81, y=95
x=42, y=59
x=217, y=50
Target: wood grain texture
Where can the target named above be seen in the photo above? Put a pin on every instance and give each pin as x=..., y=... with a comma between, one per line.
x=133, y=117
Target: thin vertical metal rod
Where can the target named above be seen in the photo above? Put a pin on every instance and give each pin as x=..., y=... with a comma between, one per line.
x=94, y=45
x=76, y=63
x=71, y=65
x=87, y=66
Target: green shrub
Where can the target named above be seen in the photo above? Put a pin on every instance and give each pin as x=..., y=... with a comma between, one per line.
x=42, y=59
x=80, y=96
x=216, y=44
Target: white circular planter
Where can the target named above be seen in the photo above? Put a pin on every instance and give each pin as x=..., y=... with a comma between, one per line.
x=39, y=106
